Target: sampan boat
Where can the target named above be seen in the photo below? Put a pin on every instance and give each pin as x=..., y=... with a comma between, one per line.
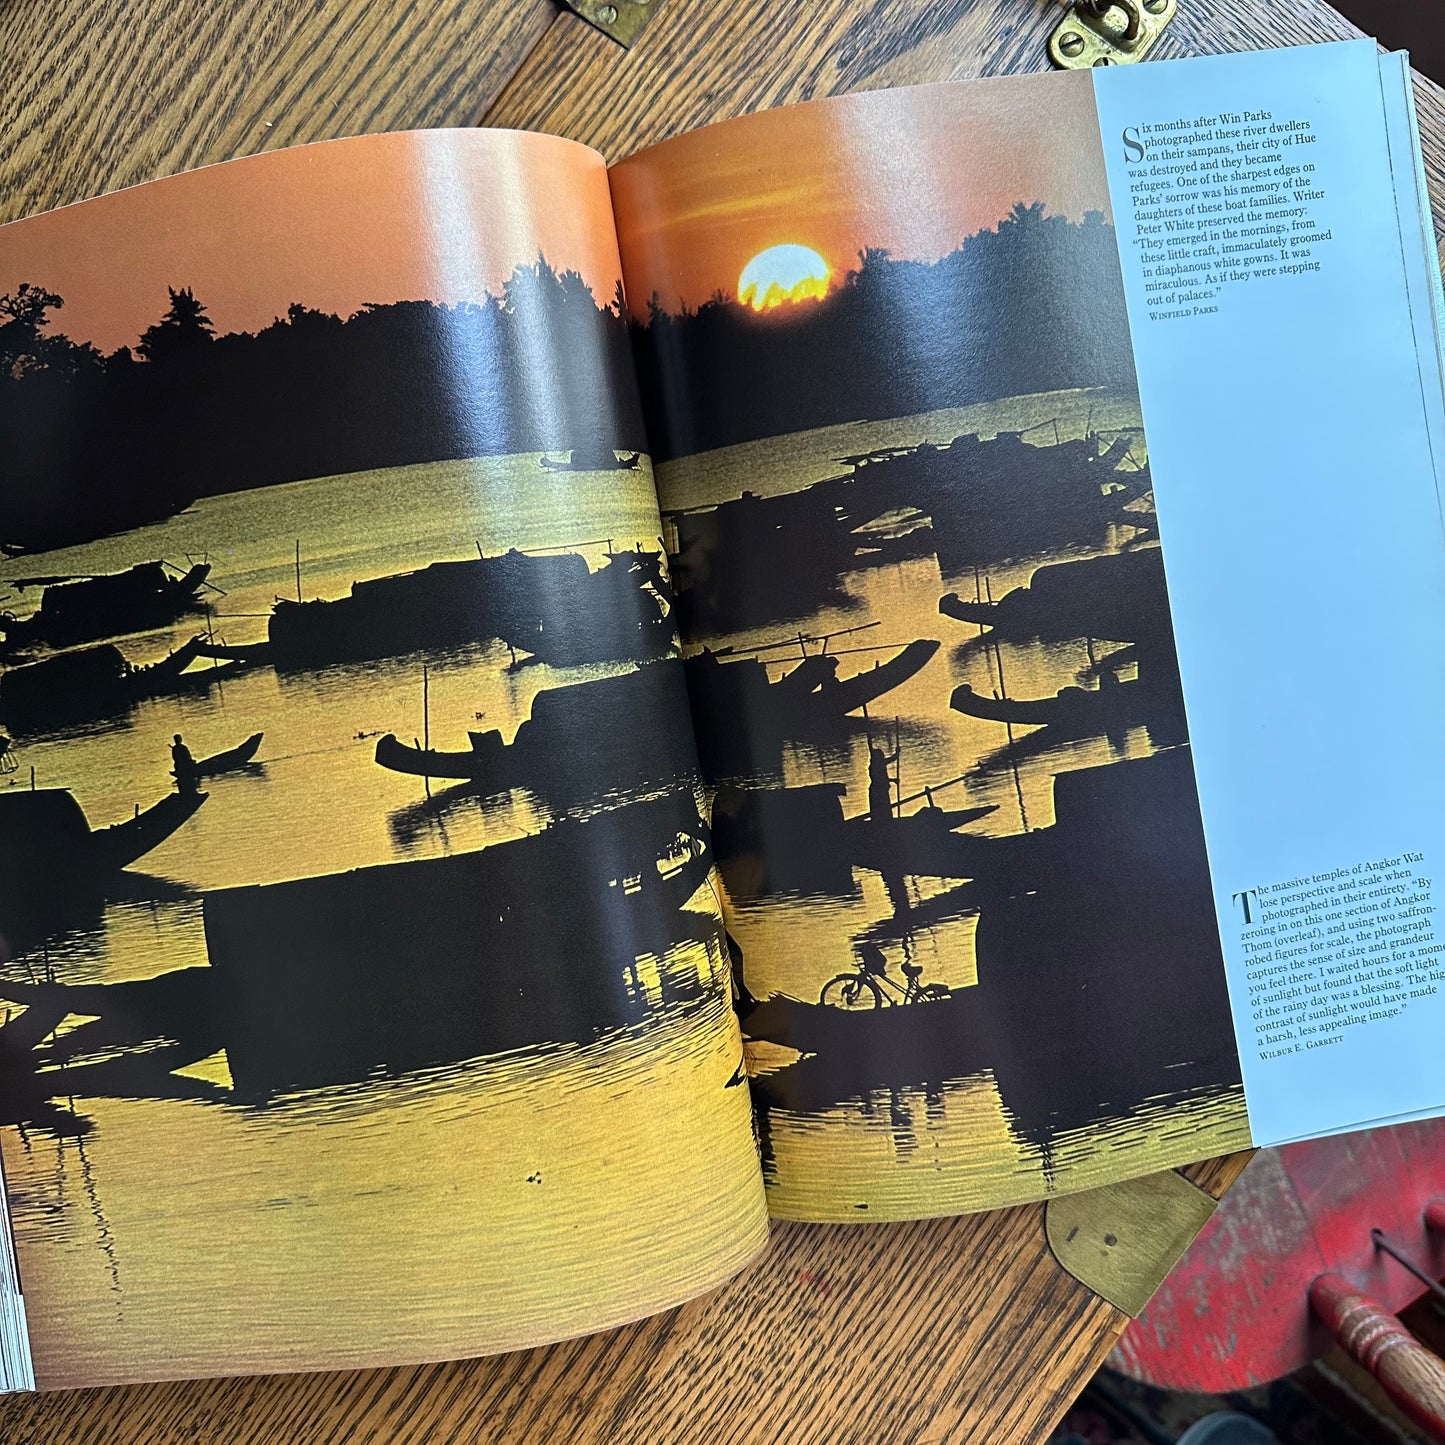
x=48, y=847
x=92, y=682
x=237, y=757
x=579, y=740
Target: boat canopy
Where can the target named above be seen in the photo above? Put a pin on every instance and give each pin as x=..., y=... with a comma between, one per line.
x=37, y=682
x=89, y=597
x=39, y=817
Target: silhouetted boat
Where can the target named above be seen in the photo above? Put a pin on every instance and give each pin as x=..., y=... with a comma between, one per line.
x=622, y=611
x=404, y=965
x=91, y=682
x=595, y=459
x=923, y=844
x=134, y=1033
x=903, y=1031
x=1100, y=980
x=1070, y=707
x=1101, y=968
x=741, y=713
x=553, y=606
x=579, y=741
x=237, y=757
x=1151, y=700
x=1121, y=596
x=47, y=844
x=87, y=609
x=445, y=604
x=329, y=980
x=753, y=560
x=796, y=841
x=850, y=694
x=487, y=761
x=782, y=841
x=1006, y=497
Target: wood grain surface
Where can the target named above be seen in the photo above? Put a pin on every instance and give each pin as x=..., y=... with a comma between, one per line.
x=947, y=1330
x=942, y=1330
x=95, y=96
x=702, y=61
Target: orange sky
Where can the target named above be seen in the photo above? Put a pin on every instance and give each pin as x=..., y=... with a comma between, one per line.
x=913, y=170
x=440, y=215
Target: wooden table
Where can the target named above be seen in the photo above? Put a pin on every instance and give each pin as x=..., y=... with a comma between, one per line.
x=953, y=1330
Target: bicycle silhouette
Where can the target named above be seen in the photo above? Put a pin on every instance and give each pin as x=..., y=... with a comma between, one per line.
x=864, y=987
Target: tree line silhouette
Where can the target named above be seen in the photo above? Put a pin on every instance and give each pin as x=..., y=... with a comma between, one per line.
x=91, y=444
x=1037, y=304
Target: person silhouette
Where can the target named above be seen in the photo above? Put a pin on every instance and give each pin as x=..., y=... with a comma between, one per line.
x=872, y=959
x=880, y=785
x=183, y=768
x=872, y=966
x=881, y=818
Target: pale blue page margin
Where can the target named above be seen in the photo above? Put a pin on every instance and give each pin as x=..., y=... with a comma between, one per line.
x=1427, y=303
x=1290, y=438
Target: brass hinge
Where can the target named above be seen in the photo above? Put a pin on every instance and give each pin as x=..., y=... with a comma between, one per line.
x=1123, y=1239
x=623, y=20
x=1108, y=32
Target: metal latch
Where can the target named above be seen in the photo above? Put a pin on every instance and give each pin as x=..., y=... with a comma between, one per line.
x=1122, y=1240
x=1108, y=32
x=623, y=20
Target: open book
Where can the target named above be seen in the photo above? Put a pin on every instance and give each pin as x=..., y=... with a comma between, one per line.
x=878, y=659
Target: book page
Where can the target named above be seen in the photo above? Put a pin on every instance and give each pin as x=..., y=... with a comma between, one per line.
x=364, y=993
x=906, y=484
x=1297, y=264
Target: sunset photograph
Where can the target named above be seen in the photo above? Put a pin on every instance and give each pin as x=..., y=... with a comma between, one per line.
x=353, y=842
x=887, y=378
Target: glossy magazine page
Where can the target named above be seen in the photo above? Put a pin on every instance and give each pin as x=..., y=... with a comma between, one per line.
x=365, y=998
x=929, y=376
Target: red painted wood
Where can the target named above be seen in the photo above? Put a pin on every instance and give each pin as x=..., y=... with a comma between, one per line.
x=1410, y=1375
x=1235, y=1311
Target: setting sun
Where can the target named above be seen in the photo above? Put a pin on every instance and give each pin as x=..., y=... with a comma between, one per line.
x=783, y=273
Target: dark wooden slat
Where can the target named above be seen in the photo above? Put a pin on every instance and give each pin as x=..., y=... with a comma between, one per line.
x=98, y=96
x=1415, y=25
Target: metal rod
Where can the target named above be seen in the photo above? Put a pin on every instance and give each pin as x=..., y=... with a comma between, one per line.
x=426, y=718
x=933, y=788
x=836, y=652
x=1430, y=1283
x=792, y=641
x=298, y=569
x=562, y=546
